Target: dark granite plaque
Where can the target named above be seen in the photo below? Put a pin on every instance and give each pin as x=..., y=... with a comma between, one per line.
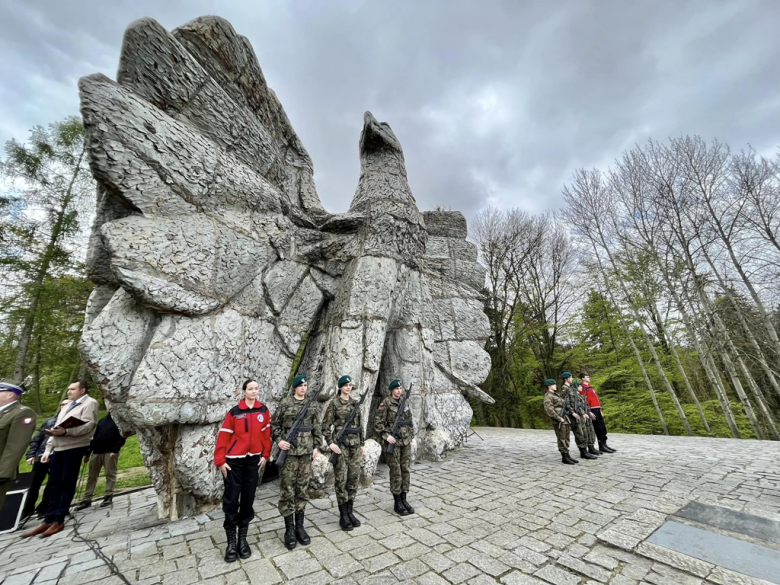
x=732, y=521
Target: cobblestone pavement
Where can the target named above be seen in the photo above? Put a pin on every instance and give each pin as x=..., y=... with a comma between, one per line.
x=502, y=510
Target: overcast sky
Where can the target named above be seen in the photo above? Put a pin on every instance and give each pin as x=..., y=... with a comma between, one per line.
x=493, y=102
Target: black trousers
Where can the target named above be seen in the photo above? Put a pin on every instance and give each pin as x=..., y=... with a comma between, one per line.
x=240, y=488
x=63, y=477
x=599, y=425
x=39, y=472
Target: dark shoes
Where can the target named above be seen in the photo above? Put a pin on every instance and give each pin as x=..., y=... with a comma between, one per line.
x=244, y=550
x=606, y=448
x=83, y=505
x=231, y=551
x=585, y=455
x=566, y=458
x=593, y=451
x=352, y=518
x=344, y=520
x=300, y=533
x=107, y=501
x=405, y=504
x=398, y=507
x=289, y=532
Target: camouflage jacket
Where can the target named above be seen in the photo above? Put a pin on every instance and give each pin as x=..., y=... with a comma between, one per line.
x=310, y=436
x=576, y=401
x=337, y=414
x=385, y=418
x=553, y=405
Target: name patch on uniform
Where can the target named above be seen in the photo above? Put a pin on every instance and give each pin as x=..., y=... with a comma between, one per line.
x=239, y=416
x=260, y=418
x=27, y=421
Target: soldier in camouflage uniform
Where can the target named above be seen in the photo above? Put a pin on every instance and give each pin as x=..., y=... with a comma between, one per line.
x=588, y=417
x=350, y=449
x=573, y=398
x=400, y=461
x=553, y=406
x=296, y=473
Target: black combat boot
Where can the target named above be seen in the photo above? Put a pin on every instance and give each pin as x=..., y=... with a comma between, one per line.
x=231, y=551
x=606, y=448
x=244, y=550
x=289, y=532
x=570, y=459
x=566, y=459
x=300, y=533
x=344, y=521
x=593, y=451
x=405, y=504
x=398, y=507
x=83, y=505
x=585, y=455
x=352, y=518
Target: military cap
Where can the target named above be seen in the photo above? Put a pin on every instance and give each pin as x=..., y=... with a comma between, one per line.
x=549, y=382
x=8, y=387
x=344, y=380
x=565, y=375
x=394, y=384
x=298, y=380
x=575, y=384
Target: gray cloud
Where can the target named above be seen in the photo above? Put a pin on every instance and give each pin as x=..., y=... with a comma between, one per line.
x=494, y=102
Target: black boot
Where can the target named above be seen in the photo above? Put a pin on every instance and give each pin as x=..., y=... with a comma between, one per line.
x=398, y=507
x=83, y=505
x=405, y=504
x=289, y=532
x=244, y=550
x=300, y=533
x=593, y=451
x=231, y=551
x=566, y=459
x=571, y=460
x=606, y=448
x=344, y=521
x=107, y=500
x=352, y=518
x=585, y=455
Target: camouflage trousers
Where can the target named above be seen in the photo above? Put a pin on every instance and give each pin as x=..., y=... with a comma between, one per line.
x=581, y=434
x=294, y=485
x=399, y=462
x=347, y=473
x=590, y=433
x=563, y=436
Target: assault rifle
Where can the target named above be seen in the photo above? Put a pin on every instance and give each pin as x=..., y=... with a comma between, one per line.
x=346, y=430
x=563, y=410
x=398, y=424
x=292, y=436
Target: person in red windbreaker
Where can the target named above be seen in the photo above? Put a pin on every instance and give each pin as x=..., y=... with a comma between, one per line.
x=243, y=447
x=595, y=408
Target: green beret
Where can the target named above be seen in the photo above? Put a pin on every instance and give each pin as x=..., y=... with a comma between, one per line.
x=549, y=382
x=575, y=384
x=394, y=384
x=565, y=375
x=344, y=380
x=298, y=380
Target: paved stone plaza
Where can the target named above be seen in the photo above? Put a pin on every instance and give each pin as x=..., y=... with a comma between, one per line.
x=502, y=510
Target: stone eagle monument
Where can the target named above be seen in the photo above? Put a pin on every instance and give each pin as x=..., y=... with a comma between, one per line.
x=214, y=261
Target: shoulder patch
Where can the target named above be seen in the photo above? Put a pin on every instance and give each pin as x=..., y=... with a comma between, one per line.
x=381, y=405
x=28, y=420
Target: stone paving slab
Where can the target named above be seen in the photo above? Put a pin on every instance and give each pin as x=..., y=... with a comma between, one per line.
x=502, y=510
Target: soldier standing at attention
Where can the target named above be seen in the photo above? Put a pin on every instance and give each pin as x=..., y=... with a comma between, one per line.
x=553, y=406
x=595, y=407
x=347, y=469
x=572, y=398
x=588, y=417
x=400, y=461
x=296, y=473
x=17, y=424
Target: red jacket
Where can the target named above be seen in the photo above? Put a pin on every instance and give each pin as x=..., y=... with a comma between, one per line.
x=590, y=395
x=246, y=431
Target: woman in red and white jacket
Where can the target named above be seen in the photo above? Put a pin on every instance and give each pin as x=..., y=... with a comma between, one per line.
x=243, y=447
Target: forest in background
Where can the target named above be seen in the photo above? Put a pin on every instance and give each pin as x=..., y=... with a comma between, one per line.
x=657, y=277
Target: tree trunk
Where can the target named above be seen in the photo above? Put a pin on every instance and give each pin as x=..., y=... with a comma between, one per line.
x=37, y=376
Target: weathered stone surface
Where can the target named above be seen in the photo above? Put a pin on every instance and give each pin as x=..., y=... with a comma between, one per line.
x=215, y=261
x=371, y=452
